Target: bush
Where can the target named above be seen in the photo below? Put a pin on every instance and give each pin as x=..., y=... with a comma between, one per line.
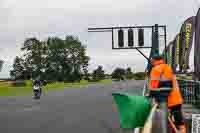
x=93, y=80
x=28, y=82
x=49, y=81
x=66, y=81
x=98, y=74
x=19, y=83
x=139, y=76
x=119, y=74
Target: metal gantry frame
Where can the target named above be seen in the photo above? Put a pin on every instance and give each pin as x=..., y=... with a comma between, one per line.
x=155, y=38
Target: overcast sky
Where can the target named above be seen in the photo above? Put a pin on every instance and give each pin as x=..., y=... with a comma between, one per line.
x=20, y=19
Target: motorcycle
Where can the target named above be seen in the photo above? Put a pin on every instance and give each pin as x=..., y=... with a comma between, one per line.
x=37, y=90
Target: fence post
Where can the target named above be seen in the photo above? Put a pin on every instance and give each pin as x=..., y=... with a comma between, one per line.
x=196, y=94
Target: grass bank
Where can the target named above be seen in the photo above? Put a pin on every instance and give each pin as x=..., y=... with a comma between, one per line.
x=7, y=89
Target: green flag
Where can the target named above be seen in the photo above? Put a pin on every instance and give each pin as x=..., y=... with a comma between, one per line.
x=133, y=110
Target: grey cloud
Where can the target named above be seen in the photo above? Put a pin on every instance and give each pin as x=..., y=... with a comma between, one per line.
x=20, y=23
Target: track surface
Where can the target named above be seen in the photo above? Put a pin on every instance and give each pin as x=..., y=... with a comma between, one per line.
x=73, y=110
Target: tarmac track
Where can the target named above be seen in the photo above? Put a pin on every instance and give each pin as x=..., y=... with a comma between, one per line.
x=73, y=110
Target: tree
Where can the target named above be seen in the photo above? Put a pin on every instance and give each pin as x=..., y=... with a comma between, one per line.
x=18, y=69
x=57, y=66
x=98, y=74
x=129, y=74
x=55, y=59
x=34, y=56
x=67, y=58
x=118, y=73
x=1, y=64
x=77, y=58
x=84, y=62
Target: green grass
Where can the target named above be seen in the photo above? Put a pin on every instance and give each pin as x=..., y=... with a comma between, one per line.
x=62, y=85
x=6, y=89
x=106, y=81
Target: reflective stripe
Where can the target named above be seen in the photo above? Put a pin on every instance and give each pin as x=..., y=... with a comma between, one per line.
x=155, y=78
x=161, y=79
x=166, y=80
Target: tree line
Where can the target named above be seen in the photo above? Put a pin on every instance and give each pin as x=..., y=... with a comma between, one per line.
x=54, y=59
x=117, y=74
x=57, y=59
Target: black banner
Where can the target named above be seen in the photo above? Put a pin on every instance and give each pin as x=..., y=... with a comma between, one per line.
x=186, y=39
x=174, y=55
x=177, y=51
x=170, y=52
x=197, y=48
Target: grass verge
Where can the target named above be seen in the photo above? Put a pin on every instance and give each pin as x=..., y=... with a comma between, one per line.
x=6, y=88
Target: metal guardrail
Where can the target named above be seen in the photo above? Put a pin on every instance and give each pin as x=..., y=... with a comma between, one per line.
x=191, y=92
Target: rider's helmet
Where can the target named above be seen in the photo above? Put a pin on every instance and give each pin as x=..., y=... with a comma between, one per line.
x=37, y=81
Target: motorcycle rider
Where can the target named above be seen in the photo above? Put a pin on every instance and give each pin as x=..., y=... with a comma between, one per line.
x=37, y=86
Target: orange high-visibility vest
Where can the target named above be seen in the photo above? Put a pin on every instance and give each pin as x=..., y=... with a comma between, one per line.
x=163, y=72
